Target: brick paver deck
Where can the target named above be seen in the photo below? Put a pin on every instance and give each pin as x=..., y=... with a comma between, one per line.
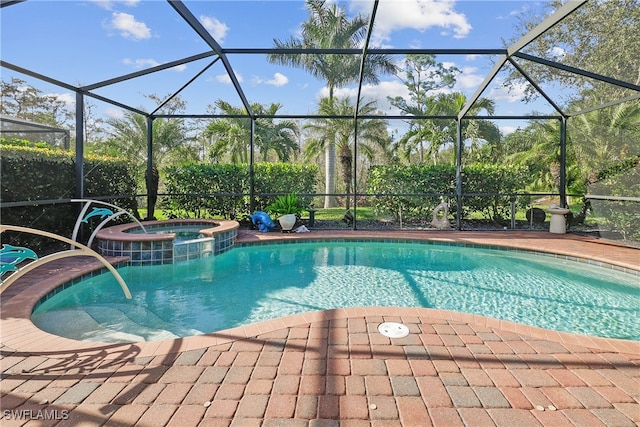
x=327, y=368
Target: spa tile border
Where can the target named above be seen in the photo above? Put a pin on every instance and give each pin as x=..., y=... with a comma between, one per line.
x=159, y=248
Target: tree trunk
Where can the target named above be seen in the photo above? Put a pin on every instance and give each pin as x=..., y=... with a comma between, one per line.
x=347, y=174
x=330, y=175
x=153, y=182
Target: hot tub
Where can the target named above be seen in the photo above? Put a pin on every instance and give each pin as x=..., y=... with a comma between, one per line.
x=166, y=242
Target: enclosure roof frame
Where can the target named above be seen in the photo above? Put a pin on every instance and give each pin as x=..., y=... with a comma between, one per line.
x=506, y=56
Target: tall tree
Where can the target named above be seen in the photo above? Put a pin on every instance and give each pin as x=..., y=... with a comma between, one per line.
x=605, y=136
x=600, y=36
x=21, y=100
x=423, y=76
x=128, y=138
x=475, y=133
x=372, y=134
x=328, y=27
x=231, y=136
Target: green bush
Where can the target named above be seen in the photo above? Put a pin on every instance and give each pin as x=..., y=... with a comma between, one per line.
x=30, y=173
x=413, y=179
x=202, y=190
x=283, y=178
x=621, y=179
x=489, y=179
x=433, y=182
x=286, y=205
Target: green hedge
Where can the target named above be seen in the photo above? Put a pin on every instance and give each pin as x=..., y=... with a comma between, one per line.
x=440, y=180
x=489, y=179
x=192, y=188
x=31, y=173
x=621, y=179
x=412, y=179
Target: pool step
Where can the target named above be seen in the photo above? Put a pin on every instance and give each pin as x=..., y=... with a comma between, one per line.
x=146, y=318
x=99, y=324
x=116, y=320
x=79, y=325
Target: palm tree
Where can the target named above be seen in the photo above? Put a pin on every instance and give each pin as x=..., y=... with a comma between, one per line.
x=423, y=136
x=128, y=138
x=538, y=147
x=422, y=75
x=606, y=135
x=328, y=27
x=372, y=134
x=280, y=137
x=474, y=131
x=232, y=136
x=427, y=137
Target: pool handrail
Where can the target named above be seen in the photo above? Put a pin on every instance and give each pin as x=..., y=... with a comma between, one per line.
x=81, y=218
x=82, y=250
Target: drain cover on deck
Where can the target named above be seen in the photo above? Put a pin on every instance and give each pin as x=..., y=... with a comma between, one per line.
x=393, y=330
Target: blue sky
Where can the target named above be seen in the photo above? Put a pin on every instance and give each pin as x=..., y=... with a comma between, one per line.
x=83, y=42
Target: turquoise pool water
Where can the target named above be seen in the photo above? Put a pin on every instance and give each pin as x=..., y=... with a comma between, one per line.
x=256, y=283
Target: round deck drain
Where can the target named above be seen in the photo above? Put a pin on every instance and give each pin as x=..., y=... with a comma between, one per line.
x=393, y=330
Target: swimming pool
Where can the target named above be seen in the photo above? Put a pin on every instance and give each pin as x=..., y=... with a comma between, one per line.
x=260, y=282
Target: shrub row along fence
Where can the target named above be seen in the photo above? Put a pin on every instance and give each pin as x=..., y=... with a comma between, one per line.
x=200, y=190
x=37, y=174
x=223, y=190
x=395, y=189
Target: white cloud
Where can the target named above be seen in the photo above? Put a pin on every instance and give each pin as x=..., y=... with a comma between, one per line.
x=421, y=15
x=224, y=78
x=557, y=52
x=115, y=113
x=109, y=4
x=516, y=12
x=515, y=92
x=506, y=130
x=468, y=79
x=128, y=27
x=142, y=63
x=278, y=80
x=217, y=29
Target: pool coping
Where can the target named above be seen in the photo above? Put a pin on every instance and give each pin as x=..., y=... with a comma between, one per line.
x=119, y=232
x=19, y=332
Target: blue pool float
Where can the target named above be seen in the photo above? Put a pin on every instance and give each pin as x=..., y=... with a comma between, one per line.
x=263, y=221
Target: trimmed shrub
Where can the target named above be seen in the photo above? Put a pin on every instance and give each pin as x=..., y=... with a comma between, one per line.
x=30, y=173
x=430, y=183
x=206, y=190
x=488, y=179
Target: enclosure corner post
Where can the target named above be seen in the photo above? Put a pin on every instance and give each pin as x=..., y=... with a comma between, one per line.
x=459, y=174
x=150, y=197
x=563, y=162
x=252, y=188
x=79, y=191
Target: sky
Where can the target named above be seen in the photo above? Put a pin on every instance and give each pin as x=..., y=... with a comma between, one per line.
x=85, y=42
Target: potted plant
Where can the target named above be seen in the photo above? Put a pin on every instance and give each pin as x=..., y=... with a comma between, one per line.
x=287, y=208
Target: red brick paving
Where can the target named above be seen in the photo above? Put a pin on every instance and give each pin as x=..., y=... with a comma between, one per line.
x=330, y=368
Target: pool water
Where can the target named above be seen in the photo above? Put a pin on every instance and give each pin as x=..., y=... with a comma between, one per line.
x=182, y=234
x=256, y=283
